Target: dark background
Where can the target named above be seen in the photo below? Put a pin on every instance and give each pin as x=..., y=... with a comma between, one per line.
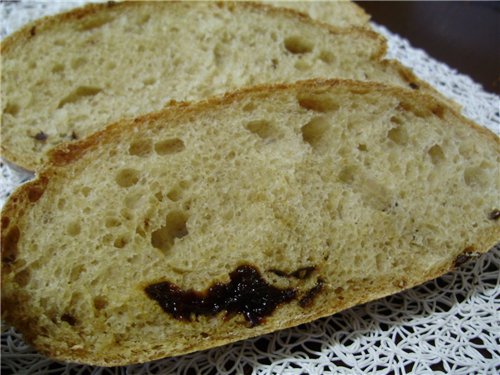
x=463, y=34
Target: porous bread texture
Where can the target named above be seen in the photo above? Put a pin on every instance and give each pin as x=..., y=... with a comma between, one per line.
x=377, y=188
x=68, y=76
x=338, y=13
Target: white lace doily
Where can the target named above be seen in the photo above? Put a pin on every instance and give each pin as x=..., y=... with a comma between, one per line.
x=449, y=325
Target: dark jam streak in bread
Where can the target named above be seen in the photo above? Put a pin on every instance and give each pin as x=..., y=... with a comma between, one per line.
x=246, y=293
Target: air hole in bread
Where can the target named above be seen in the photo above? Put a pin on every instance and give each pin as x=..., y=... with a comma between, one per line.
x=12, y=109
x=107, y=239
x=186, y=204
x=249, y=107
x=132, y=199
x=126, y=214
x=320, y=102
x=302, y=65
x=169, y=146
x=358, y=260
x=78, y=94
x=68, y=318
x=111, y=65
x=9, y=245
x=374, y=194
x=142, y=19
x=475, y=176
x=314, y=130
x=175, y=228
x=120, y=242
x=298, y=44
x=348, y=174
x=86, y=191
x=149, y=81
x=398, y=135
x=174, y=194
x=5, y=222
x=58, y=68
x=466, y=150
x=127, y=177
x=76, y=272
x=141, y=147
x=111, y=222
x=78, y=62
x=94, y=21
x=23, y=277
x=73, y=228
x=396, y=120
x=140, y=231
x=327, y=56
x=379, y=262
x=219, y=53
x=436, y=153
x=262, y=128
x=100, y=302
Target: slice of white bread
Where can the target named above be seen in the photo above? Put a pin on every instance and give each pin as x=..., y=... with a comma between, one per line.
x=66, y=76
x=333, y=192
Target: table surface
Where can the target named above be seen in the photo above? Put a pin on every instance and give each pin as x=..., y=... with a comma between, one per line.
x=463, y=34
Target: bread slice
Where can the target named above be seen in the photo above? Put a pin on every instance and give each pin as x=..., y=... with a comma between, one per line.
x=338, y=13
x=213, y=222
x=67, y=76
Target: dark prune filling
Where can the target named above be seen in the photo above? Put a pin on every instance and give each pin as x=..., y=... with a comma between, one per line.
x=246, y=293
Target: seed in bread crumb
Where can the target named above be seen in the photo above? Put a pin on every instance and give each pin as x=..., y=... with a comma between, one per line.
x=41, y=136
x=494, y=215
